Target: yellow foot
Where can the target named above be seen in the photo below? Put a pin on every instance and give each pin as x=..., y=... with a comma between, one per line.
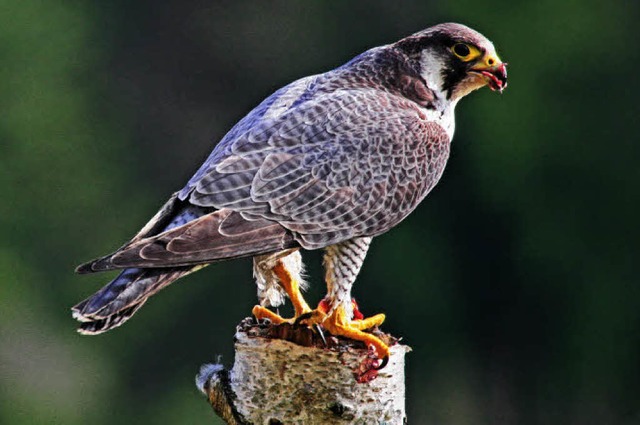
x=369, y=322
x=292, y=287
x=260, y=312
x=338, y=324
x=358, y=321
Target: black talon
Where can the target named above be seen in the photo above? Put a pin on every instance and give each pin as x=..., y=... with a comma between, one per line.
x=303, y=316
x=385, y=361
x=319, y=330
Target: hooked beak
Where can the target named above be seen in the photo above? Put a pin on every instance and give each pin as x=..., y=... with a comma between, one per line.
x=493, y=71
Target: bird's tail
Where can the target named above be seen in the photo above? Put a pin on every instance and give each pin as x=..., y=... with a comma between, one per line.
x=117, y=301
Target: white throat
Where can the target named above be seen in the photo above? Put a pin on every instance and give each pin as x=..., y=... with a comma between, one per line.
x=431, y=71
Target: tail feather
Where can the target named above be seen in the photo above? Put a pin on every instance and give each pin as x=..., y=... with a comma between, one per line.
x=117, y=301
x=181, y=238
x=105, y=296
x=99, y=326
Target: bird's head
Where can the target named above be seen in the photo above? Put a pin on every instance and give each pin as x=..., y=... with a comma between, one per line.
x=455, y=60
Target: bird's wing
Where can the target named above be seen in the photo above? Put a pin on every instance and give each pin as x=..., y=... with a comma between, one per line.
x=339, y=165
x=345, y=164
x=220, y=235
x=184, y=234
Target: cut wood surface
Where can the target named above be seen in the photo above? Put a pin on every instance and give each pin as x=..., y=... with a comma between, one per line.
x=310, y=381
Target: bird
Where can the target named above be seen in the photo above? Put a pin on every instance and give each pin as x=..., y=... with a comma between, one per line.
x=329, y=161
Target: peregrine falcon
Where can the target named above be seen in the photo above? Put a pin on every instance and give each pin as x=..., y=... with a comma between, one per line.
x=329, y=161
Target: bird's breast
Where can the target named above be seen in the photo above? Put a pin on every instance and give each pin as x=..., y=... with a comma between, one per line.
x=443, y=115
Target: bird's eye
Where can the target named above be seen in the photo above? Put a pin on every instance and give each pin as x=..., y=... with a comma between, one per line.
x=465, y=52
x=461, y=50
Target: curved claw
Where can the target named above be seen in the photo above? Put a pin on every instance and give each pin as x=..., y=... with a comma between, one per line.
x=385, y=361
x=321, y=333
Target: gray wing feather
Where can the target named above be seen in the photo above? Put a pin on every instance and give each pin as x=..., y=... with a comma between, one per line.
x=344, y=164
x=220, y=235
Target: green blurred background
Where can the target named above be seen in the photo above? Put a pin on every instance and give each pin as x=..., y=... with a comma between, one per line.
x=516, y=282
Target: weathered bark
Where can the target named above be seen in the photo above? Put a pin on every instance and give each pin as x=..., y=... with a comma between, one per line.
x=309, y=381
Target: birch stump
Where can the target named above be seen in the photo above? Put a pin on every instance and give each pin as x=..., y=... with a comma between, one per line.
x=292, y=375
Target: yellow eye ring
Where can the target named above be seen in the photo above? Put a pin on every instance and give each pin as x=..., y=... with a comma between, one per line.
x=465, y=52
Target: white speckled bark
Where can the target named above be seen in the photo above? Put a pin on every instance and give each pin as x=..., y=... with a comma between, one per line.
x=278, y=382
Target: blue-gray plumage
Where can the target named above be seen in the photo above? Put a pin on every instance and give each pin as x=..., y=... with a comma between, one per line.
x=330, y=160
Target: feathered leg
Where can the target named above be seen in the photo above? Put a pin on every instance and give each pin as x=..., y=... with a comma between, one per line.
x=342, y=264
x=282, y=272
x=275, y=274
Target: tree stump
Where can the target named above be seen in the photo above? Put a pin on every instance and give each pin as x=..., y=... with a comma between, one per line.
x=292, y=375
